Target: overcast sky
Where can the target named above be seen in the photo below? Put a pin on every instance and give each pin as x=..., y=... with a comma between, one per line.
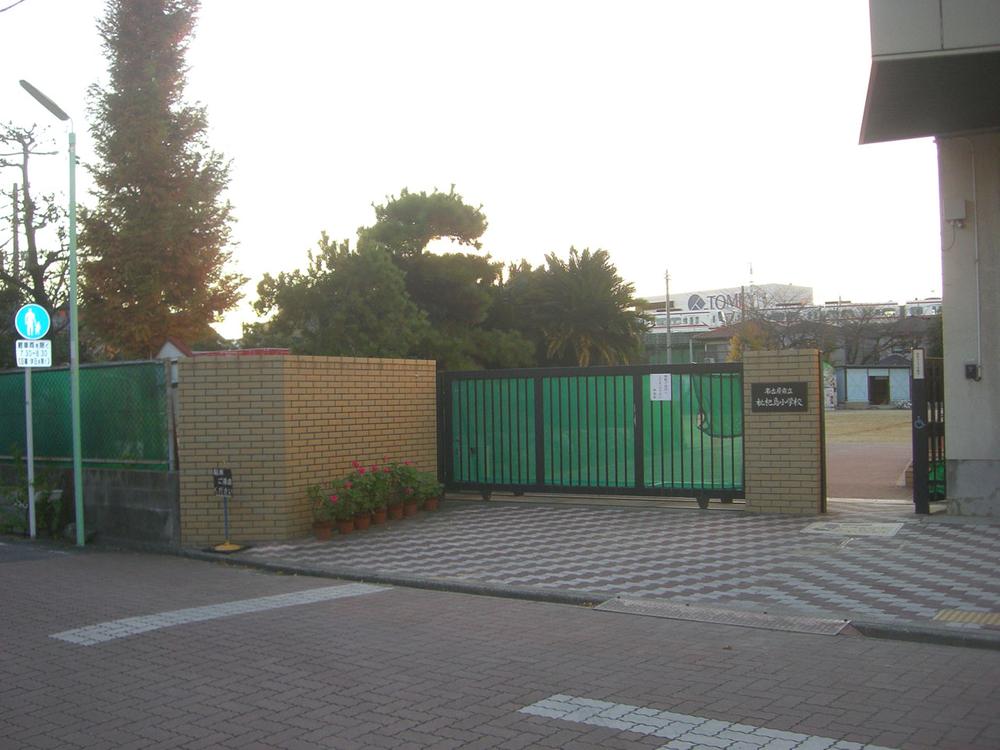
x=702, y=137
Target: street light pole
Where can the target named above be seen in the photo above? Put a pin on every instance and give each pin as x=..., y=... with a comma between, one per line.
x=74, y=329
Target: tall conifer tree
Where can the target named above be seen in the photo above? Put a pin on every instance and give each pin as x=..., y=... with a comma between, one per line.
x=155, y=247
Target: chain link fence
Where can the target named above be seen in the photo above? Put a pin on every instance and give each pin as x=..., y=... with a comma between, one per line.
x=124, y=416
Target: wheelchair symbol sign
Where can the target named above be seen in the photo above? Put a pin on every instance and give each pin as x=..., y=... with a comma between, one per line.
x=32, y=321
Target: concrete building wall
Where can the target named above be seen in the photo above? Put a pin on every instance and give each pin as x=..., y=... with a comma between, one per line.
x=281, y=423
x=969, y=179
x=857, y=386
x=783, y=452
x=899, y=385
x=906, y=27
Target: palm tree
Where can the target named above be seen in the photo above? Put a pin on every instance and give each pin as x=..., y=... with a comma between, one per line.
x=586, y=312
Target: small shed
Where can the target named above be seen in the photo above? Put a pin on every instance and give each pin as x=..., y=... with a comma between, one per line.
x=859, y=385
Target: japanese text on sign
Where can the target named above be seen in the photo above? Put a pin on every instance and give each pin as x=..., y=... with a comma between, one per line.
x=222, y=479
x=778, y=397
x=660, y=387
x=33, y=353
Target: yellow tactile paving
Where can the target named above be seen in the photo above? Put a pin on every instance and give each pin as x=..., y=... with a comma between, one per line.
x=965, y=615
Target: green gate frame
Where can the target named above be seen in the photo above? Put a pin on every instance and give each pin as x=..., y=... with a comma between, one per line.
x=927, y=412
x=594, y=430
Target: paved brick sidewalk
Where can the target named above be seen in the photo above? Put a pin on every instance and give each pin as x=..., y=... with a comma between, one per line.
x=930, y=568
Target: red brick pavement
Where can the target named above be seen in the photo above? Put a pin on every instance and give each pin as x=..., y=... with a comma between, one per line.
x=420, y=669
x=869, y=470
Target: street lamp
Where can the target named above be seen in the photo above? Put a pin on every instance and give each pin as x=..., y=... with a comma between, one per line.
x=74, y=349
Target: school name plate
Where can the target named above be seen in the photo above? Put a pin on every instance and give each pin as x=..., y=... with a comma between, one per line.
x=778, y=397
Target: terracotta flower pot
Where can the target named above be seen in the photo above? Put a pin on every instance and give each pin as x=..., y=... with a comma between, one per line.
x=410, y=508
x=362, y=521
x=395, y=512
x=379, y=516
x=345, y=527
x=431, y=503
x=323, y=530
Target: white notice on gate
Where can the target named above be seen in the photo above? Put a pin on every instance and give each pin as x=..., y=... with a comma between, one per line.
x=659, y=387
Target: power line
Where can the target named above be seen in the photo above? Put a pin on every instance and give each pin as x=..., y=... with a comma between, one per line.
x=18, y=2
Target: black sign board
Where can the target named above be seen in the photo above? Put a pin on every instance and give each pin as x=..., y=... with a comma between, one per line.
x=778, y=397
x=222, y=479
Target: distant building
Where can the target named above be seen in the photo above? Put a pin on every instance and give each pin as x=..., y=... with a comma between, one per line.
x=703, y=323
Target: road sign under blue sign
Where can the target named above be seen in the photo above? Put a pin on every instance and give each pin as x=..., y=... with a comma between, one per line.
x=32, y=321
x=33, y=353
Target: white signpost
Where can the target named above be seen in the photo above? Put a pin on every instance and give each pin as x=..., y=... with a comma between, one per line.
x=32, y=322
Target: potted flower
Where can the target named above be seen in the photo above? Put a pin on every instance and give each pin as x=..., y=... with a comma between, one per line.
x=402, y=498
x=428, y=490
x=342, y=503
x=370, y=488
x=322, y=512
x=328, y=508
x=354, y=509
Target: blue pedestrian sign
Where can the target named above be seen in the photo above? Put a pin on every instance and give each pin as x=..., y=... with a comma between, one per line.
x=32, y=321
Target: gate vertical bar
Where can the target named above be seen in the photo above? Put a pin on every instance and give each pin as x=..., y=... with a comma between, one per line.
x=637, y=424
x=445, y=439
x=539, y=431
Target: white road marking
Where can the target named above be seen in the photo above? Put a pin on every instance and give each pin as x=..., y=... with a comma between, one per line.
x=685, y=732
x=114, y=629
x=841, y=528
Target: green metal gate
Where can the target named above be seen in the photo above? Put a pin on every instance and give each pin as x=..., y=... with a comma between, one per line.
x=927, y=409
x=638, y=430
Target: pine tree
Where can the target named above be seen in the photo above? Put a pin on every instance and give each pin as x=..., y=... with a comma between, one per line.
x=155, y=247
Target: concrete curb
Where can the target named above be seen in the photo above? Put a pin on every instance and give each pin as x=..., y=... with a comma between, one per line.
x=918, y=633
x=890, y=629
x=551, y=596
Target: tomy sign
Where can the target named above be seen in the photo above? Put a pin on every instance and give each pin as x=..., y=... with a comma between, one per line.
x=778, y=397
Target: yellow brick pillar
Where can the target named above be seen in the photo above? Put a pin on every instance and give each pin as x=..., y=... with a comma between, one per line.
x=783, y=444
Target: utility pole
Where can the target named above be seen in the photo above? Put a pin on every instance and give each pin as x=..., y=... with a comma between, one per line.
x=666, y=305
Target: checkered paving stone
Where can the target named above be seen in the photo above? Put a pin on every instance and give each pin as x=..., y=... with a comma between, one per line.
x=728, y=559
x=685, y=732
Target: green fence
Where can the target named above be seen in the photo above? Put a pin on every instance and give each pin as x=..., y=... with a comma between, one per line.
x=124, y=419
x=595, y=429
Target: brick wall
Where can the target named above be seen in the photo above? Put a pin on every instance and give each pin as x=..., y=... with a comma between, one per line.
x=784, y=452
x=282, y=423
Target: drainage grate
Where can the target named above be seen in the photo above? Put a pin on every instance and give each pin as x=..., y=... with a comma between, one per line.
x=968, y=616
x=853, y=529
x=760, y=620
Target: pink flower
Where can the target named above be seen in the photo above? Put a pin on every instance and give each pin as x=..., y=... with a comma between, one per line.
x=407, y=463
x=355, y=464
x=334, y=498
x=374, y=468
x=361, y=469
x=386, y=470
